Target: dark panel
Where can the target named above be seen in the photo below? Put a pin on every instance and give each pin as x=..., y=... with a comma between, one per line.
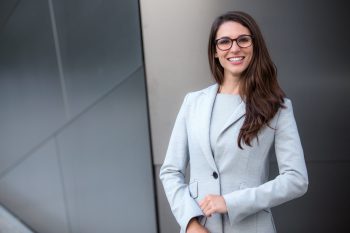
x=6, y=9
x=322, y=111
x=100, y=46
x=107, y=164
x=30, y=94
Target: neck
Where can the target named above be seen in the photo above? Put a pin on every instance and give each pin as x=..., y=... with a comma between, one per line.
x=230, y=85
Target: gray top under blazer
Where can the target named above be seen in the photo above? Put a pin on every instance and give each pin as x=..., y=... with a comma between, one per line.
x=240, y=176
x=224, y=106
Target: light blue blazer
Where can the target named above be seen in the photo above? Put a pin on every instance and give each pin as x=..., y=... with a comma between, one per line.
x=240, y=176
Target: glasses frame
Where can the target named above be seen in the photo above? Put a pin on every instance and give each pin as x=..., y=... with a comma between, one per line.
x=232, y=40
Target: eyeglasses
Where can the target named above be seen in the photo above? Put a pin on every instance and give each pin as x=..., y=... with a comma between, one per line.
x=225, y=43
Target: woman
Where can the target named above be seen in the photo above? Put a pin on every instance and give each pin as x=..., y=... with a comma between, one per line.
x=226, y=131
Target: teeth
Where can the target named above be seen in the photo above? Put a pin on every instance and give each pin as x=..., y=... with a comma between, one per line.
x=235, y=59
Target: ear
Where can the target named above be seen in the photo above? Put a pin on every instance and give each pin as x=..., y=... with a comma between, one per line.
x=216, y=55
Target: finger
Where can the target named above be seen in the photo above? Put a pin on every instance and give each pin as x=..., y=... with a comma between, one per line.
x=201, y=202
x=208, y=213
x=204, y=204
x=205, y=210
x=208, y=210
x=207, y=200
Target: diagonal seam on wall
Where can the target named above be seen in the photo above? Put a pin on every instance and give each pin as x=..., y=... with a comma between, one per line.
x=9, y=15
x=59, y=59
x=69, y=122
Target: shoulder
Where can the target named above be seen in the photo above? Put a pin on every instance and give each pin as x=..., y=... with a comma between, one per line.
x=286, y=110
x=285, y=114
x=287, y=106
x=194, y=95
x=198, y=98
x=287, y=102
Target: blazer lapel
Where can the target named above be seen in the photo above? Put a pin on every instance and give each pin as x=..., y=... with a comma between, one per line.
x=234, y=117
x=206, y=108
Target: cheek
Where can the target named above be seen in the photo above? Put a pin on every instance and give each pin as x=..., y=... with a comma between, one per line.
x=220, y=57
x=250, y=57
x=222, y=61
x=218, y=53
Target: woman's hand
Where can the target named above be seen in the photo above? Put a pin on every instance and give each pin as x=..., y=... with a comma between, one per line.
x=195, y=227
x=213, y=204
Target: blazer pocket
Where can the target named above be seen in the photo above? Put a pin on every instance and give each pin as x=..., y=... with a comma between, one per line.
x=193, y=187
x=242, y=185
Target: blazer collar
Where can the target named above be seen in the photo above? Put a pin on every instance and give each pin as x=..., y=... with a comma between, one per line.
x=206, y=109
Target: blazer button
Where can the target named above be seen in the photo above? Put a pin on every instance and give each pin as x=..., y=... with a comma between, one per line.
x=215, y=175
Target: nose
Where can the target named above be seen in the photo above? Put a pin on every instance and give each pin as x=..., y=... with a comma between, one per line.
x=235, y=47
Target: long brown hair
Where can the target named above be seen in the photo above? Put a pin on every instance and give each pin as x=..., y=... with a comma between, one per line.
x=258, y=83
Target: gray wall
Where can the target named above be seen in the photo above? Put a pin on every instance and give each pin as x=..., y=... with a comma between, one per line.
x=74, y=137
x=309, y=42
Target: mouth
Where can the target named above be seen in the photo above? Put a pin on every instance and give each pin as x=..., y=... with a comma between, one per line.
x=236, y=59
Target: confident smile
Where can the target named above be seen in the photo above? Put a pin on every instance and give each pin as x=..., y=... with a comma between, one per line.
x=236, y=60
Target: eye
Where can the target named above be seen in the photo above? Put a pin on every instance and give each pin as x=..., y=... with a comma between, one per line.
x=244, y=39
x=224, y=41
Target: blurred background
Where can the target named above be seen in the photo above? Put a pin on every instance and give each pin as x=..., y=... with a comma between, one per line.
x=90, y=89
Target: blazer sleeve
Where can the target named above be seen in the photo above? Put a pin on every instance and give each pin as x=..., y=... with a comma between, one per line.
x=172, y=172
x=292, y=181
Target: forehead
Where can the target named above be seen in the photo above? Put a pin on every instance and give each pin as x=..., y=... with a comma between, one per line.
x=231, y=29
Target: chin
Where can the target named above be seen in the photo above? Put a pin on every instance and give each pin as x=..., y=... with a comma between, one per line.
x=236, y=72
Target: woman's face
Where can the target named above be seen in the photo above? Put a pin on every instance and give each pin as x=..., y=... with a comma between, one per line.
x=236, y=59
